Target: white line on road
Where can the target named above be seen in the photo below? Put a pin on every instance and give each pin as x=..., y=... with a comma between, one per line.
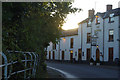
x=67, y=75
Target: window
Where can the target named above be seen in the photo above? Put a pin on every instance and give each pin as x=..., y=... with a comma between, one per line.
x=54, y=46
x=97, y=20
x=111, y=18
x=88, y=37
x=89, y=23
x=111, y=33
x=71, y=43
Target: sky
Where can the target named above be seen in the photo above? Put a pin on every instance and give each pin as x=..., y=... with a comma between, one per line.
x=72, y=20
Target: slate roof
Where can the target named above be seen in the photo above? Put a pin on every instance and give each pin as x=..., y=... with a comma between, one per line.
x=70, y=32
x=99, y=14
x=86, y=20
x=104, y=14
x=115, y=11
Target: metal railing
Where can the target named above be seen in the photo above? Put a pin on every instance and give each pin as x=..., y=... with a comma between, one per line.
x=30, y=58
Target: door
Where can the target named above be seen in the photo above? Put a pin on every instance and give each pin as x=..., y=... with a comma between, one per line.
x=53, y=55
x=88, y=54
x=49, y=55
x=71, y=56
x=97, y=54
x=62, y=55
x=79, y=54
x=110, y=54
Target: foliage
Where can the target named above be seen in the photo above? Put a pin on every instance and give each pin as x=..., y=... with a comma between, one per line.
x=29, y=26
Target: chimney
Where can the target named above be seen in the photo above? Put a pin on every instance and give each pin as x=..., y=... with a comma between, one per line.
x=91, y=13
x=109, y=7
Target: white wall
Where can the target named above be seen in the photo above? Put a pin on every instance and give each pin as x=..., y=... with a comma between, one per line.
x=85, y=45
x=65, y=46
x=99, y=41
x=115, y=43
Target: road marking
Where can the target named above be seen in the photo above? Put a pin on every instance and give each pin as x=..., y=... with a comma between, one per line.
x=67, y=75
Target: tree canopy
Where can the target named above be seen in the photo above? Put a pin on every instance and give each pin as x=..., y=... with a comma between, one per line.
x=30, y=26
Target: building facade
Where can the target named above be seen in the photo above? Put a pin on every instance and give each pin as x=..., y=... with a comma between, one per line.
x=97, y=37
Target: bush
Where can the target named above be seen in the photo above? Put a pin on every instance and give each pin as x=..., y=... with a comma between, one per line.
x=91, y=60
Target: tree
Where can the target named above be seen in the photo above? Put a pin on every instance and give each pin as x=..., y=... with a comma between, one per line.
x=31, y=26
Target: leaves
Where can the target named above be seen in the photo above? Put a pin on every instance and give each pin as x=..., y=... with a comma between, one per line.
x=31, y=26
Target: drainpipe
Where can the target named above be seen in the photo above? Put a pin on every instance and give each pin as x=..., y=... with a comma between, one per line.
x=91, y=42
x=103, y=37
x=81, y=40
x=119, y=37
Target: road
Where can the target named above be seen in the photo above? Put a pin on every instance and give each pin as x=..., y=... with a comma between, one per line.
x=84, y=70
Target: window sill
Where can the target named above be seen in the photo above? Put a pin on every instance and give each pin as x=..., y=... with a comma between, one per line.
x=110, y=21
x=110, y=40
x=97, y=23
x=88, y=42
x=88, y=26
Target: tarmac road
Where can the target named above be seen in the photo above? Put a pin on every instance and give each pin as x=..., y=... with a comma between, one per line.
x=83, y=70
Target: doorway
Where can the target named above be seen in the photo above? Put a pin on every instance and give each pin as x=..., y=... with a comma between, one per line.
x=110, y=54
x=49, y=55
x=88, y=54
x=62, y=55
x=71, y=55
x=53, y=55
x=97, y=54
x=79, y=54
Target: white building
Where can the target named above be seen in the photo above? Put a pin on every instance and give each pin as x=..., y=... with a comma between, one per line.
x=98, y=37
x=67, y=47
x=112, y=34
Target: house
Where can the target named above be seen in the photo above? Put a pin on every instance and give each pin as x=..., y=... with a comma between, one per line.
x=97, y=37
x=112, y=34
x=67, y=47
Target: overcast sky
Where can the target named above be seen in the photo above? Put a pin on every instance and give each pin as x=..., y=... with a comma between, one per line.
x=99, y=6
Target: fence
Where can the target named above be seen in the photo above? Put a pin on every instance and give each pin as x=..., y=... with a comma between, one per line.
x=29, y=59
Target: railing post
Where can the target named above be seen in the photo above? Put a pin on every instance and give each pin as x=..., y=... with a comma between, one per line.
x=25, y=66
x=31, y=61
x=5, y=62
x=34, y=68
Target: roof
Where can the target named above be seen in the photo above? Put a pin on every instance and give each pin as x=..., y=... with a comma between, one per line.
x=104, y=15
x=70, y=32
x=115, y=11
x=86, y=20
x=99, y=14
